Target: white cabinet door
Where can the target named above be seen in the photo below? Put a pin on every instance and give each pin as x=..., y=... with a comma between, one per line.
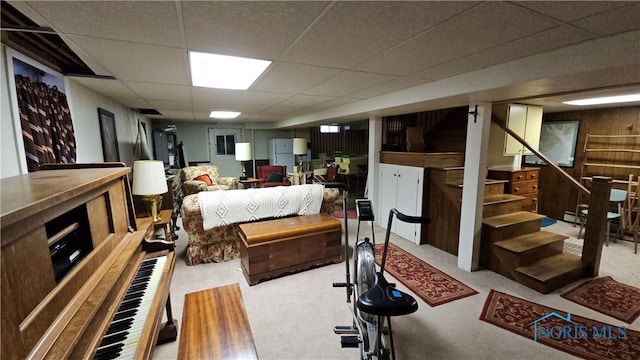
x=526, y=121
x=401, y=188
x=517, y=122
x=409, y=201
x=388, y=193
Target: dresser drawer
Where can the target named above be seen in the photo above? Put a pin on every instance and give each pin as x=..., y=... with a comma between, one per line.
x=524, y=175
x=524, y=187
x=530, y=201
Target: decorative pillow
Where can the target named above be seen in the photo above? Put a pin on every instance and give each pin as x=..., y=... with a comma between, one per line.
x=274, y=177
x=204, y=178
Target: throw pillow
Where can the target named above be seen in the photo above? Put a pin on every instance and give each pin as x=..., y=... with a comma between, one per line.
x=204, y=178
x=274, y=177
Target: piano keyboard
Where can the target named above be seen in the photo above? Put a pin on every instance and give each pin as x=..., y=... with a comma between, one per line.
x=123, y=334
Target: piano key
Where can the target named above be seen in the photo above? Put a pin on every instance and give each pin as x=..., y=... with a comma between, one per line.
x=123, y=335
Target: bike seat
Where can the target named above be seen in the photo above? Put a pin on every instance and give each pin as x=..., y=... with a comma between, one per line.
x=385, y=300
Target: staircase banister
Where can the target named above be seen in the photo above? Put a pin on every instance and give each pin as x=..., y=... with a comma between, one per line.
x=541, y=156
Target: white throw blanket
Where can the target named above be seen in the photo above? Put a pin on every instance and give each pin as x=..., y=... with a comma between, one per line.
x=225, y=207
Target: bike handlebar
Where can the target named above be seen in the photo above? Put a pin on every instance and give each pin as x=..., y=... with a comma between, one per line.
x=411, y=219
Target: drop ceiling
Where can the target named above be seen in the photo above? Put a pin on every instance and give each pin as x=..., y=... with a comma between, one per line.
x=346, y=60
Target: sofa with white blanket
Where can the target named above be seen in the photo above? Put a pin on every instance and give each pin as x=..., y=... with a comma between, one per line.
x=212, y=219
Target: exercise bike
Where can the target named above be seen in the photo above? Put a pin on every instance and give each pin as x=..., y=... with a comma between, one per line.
x=374, y=300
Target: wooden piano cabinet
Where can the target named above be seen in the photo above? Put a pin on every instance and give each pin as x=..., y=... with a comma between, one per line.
x=34, y=306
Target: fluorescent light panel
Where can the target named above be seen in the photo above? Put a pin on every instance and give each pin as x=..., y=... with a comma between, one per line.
x=224, y=114
x=224, y=72
x=605, y=100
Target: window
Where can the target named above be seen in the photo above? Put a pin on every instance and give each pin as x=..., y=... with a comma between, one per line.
x=225, y=144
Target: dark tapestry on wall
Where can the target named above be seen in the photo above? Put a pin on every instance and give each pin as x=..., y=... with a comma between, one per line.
x=46, y=124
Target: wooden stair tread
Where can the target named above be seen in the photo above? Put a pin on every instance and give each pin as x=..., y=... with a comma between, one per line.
x=526, y=242
x=511, y=219
x=501, y=198
x=552, y=267
x=459, y=184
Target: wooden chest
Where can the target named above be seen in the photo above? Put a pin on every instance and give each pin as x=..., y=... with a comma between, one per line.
x=275, y=247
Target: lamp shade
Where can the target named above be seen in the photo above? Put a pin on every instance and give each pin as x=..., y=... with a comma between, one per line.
x=243, y=151
x=149, y=178
x=299, y=146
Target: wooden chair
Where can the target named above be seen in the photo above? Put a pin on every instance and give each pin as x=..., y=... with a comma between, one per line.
x=631, y=212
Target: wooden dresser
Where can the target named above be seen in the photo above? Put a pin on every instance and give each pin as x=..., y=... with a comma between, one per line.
x=522, y=182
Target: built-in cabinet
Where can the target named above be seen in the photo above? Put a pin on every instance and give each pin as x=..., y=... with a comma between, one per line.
x=401, y=187
x=526, y=121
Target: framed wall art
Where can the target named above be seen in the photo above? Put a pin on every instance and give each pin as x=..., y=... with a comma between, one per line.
x=109, y=137
x=557, y=142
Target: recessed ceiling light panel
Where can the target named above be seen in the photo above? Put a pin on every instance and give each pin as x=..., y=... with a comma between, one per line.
x=224, y=114
x=224, y=72
x=605, y=100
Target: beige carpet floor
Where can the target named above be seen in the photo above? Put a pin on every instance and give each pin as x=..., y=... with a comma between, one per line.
x=292, y=317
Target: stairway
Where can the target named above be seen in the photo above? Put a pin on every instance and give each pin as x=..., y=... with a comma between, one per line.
x=512, y=242
x=514, y=246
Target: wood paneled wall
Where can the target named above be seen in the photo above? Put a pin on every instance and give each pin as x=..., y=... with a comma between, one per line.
x=555, y=195
x=354, y=141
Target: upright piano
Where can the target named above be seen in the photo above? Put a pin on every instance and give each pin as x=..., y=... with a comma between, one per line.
x=76, y=281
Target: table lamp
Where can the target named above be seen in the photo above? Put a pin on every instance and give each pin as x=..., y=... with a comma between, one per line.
x=299, y=149
x=150, y=182
x=243, y=153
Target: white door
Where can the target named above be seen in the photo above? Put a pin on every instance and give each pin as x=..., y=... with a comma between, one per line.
x=222, y=151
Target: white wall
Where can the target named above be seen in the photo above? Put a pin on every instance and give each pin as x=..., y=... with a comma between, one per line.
x=83, y=105
x=9, y=163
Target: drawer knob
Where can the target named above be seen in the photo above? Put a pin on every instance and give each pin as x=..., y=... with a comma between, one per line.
x=519, y=177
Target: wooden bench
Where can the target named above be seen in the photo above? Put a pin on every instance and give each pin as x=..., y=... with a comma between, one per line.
x=275, y=247
x=215, y=326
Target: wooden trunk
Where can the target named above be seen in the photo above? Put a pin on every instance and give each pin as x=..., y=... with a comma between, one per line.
x=275, y=247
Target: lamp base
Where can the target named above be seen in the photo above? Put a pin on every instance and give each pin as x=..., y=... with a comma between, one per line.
x=154, y=202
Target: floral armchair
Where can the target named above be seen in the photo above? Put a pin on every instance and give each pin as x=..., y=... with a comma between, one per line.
x=205, y=178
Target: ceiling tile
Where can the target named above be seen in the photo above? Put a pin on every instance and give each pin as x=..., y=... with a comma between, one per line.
x=463, y=35
x=292, y=78
x=571, y=10
x=215, y=96
x=352, y=31
x=151, y=63
x=152, y=22
x=347, y=82
x=106, y=87
x=161, y=91
x=612, y=22
x=253, y=29
x=387, y=87
x=305, y=100
x=547, y=40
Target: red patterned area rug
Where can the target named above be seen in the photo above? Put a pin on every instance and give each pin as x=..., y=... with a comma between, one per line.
x=430, y=284
x=609, y=297
x=582, y=337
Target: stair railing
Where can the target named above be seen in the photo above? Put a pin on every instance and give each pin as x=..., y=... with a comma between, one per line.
x=598, y=205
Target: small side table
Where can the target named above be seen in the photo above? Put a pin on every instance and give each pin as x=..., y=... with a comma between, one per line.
x=166, y=223
x=249, y=183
